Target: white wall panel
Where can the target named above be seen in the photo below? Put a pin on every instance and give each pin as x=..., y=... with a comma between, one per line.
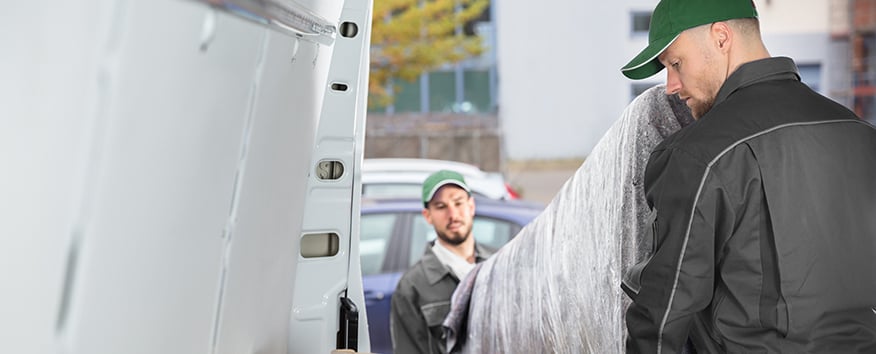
x=264, y=245
x=156, y=157
x=149, y=266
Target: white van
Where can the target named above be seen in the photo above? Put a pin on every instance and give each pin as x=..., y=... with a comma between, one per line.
x=182, y=177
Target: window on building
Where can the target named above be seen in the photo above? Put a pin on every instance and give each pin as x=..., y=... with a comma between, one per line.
x=441, y=95
x=442, y=91
x=407, y=96
x=640, y=22
x=477, y=92
x=810, y=74
x=451, y=89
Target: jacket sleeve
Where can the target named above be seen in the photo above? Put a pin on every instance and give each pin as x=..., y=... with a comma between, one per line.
x=407, y=325
x=677, y=280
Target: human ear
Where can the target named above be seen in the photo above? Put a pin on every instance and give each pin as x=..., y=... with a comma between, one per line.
x=722, y=35
x=427, y=215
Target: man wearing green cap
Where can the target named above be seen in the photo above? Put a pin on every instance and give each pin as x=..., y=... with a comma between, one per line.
x=765, y=231
x=422, y=298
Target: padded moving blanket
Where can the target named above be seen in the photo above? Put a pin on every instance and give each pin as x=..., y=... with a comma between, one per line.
x=555, y=288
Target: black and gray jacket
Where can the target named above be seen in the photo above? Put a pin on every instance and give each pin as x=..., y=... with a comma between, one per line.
x=765, y=226
x=421, y=302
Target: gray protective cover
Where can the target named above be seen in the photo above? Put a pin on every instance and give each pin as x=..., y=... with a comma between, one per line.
x=555, y=288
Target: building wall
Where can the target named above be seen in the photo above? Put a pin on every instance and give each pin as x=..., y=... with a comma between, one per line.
x=469, y=138
x=560, y=85
x=808, y=49
x=559, y=78
x=793, y=16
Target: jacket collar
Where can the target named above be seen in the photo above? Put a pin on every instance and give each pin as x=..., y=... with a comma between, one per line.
x=777, y=68
x=435, y=270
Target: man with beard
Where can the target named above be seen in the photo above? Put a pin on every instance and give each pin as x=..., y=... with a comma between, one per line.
x=764, y=232
x=422, y=298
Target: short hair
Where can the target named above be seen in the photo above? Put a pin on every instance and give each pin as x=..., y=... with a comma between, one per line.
x=747, y=27
x=744, y=27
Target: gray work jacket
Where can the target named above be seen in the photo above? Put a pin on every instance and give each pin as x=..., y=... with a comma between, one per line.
x=421, y=302
x=764, y=229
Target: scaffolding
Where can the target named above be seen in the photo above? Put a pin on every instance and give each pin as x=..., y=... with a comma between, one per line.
x=853, y=26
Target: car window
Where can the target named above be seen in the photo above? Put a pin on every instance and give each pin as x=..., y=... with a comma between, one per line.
x=493, y=233
x=421, y=234
x=375, y=232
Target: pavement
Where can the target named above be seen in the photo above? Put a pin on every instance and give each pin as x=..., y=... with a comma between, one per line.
x=540, y=180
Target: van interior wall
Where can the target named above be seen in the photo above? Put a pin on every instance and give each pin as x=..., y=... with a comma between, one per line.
x=155, y=157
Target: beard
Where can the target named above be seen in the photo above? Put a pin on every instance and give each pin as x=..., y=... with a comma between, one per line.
x=700, y=108
x=709, y=84
x=702, y=103
x=455, y=238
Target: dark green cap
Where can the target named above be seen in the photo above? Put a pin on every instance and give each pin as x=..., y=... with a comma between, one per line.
x=439, y=179
x=671, y=17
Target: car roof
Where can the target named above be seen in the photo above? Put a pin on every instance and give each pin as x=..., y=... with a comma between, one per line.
x=520, y=212
x=419, y=165
x=411, y=171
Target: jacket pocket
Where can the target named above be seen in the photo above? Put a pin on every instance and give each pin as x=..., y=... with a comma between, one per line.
x=435, y=313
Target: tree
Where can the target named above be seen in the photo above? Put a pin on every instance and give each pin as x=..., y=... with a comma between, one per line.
x=409, y=37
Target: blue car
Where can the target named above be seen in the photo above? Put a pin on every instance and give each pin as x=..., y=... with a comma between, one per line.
x=394, y=234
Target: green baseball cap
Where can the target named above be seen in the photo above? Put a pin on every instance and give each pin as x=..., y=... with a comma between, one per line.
x=671, y=17
x=439, y=179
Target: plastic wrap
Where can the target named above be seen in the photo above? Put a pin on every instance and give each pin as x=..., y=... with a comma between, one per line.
x=556, y=286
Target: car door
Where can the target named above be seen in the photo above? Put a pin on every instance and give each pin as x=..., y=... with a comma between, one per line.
x=392, y=240
x=382, y=235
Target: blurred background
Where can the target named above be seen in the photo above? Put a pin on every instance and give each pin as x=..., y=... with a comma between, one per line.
x=520, y=93
x=526, y=90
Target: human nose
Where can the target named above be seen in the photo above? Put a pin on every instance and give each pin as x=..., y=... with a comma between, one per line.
x=673, y=84
x=455, y=211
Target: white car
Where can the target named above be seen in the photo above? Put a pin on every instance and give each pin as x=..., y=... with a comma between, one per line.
x=403, y=177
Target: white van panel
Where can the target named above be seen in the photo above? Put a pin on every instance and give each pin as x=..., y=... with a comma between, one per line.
x=152, y=245
x=342, y=139
x=159, y=160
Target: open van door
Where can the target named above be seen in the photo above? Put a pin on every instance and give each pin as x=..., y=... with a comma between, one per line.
x=182, y=176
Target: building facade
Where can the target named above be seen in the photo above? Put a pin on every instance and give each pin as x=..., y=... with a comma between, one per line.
x=560, y=86
x=853, y=34
x=552, y=70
